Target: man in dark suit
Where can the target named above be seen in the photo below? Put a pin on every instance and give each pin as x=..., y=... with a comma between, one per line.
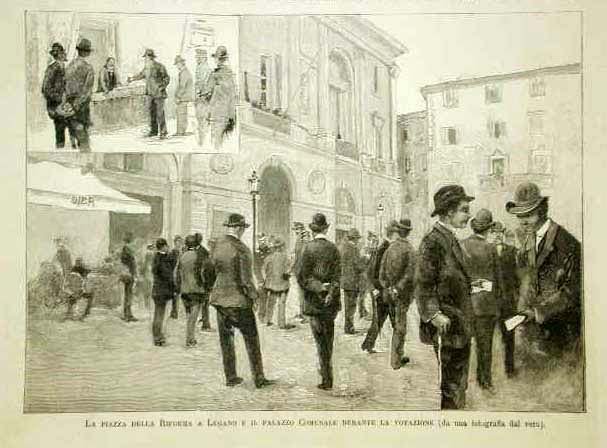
x=206, y=277
x=163, y=289
x=127, y=258
x=156, y=82
x=53, y=89
x=442, y=290
x=551, y=284
x=79, y=83
x=176, y=252
x=481, y=264
x=300, y=241
x=382, y=306
x=233, y=296
x=319, y=276
x=396, y=277
x=351, y=270
x=508, y=285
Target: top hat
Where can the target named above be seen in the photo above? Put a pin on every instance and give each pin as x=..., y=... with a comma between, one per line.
x=56, y=48
x=178, y=59
x=149, y=53
x=201, y=52
x=319, y=223
x=447, y=196
x=84, y=45
x=353, y=234
x=221, y=53
x=482, y=221
x=190, y=241
x=236, y=220
x=527, y=197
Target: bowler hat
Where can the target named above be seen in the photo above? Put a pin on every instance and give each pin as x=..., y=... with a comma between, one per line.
x=236, y=220
x=56, y=48
x=403, y=224
x=447, y=196
x=319, y=223
x=482, y=221
x=84, y=45
x=221, y=53
x=190, y=241
x=527, y=197
x=178, y=60
x=149, y=53
x=353, y=234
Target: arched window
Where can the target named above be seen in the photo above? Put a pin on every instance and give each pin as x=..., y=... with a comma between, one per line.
x=340, y=98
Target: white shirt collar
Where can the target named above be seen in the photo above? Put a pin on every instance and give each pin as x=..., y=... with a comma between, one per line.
x=447, y=226
x=541, y=232
x=320, y=236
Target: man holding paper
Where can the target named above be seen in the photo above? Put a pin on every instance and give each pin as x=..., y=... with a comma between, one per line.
x=480, y=257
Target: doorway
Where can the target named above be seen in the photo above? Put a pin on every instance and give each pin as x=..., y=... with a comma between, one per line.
x=275, y=204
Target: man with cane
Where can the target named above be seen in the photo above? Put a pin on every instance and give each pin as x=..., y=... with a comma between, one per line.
x=442, y=289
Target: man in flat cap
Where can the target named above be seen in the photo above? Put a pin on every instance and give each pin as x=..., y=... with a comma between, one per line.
x=319, y=276
x=202, y=95
x=79, y=83
x=396, y=277
x=233, y=296
x=184, y=94
x=351, y=271
x=442, y=290
x=156, y=82
x=221, y=91
x=481, y=263
x=551, y=285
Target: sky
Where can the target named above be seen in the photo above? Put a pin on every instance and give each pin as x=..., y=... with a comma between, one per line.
x=445, y=47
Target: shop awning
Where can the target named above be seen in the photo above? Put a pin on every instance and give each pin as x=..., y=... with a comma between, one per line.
x=53, y=184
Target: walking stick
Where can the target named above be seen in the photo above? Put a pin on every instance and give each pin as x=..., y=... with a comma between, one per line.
x=440, y=364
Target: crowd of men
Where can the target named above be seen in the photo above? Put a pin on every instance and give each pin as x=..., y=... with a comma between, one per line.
x=68, y=90
x=464, y=289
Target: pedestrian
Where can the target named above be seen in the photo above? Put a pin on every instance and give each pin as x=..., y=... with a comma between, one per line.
x=163, y=289
x=263, y=250
x=53, y=90
x=508, y=285
x=128, y=277
x=184, y=94
x=221, y=94
x=300, y=240
x=176, y=252
x=108, y=77
x=233, y=296
x=381, y=301
x=550, y=294
x=351, y=270
x=145, y=275
x=276, y=282
x=79, y=83
x=480, y=258
x=319, y=276
x=63, y=256
x=156, y=82
x=203, y=72
x=396, y=277
x=83, y=271
x=205, y=277
x=442, y=291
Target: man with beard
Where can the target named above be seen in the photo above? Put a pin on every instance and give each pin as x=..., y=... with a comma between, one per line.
x=442, y=291
x=319, y=275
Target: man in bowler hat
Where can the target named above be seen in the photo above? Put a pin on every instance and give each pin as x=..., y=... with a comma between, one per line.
x=442, y=290
x=351, y=271
x=156, y=82
x=184, y=94
x=481, y=263
x=221, y=94
x=79, y=83
x=551, y=283
x=396, y=277
x=163, y=289
x=233, y=296
x=319, y=276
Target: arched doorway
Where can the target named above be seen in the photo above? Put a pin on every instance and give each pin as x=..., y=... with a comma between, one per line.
x=275, y=203
x=346, y=213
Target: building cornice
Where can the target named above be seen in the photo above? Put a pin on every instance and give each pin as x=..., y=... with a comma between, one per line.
x=402, y=118
x=568, y=69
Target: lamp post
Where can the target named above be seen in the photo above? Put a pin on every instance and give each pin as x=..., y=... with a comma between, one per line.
x=254, y=190
x=380, y=212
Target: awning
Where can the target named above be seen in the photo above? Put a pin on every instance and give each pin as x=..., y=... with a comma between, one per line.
x=53, y=184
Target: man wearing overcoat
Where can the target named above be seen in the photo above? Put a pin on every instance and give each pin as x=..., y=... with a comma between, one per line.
x=351, y=271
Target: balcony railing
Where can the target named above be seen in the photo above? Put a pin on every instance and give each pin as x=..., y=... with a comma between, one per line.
x=270, y=120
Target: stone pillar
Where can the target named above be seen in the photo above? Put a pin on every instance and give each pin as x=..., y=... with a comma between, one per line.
x=323, y=78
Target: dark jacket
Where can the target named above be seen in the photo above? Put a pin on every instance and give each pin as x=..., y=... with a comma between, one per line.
x=480, y=259
x=508, y=282
x=53, y=86
x=398, y=269
x=232, y=264
x=156, y=80
x=442, y=284
x=79, y=83
x=107, y=81
x=204, y=268
x=222, y=94
x=64, y=258
x=320, y=264
x=375, y=264
x=127, y=258
x=276, y=272
x=163, y=269
x=80, y=269
x=351, y=266
x=551, y=286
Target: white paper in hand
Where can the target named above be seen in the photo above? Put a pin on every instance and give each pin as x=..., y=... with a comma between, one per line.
x=514, y=322
x=482, y=285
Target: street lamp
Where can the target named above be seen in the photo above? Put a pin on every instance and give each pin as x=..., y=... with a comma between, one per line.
x=380, y=212
x=254, y=190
